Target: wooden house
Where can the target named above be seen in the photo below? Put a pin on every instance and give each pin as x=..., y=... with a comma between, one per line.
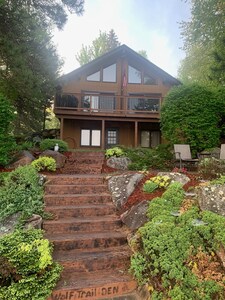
x=112, y=100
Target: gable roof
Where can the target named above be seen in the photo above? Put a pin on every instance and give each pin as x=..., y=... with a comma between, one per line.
x=123, y=51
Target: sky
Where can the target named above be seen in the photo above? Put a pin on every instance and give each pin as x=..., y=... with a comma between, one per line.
x=150, y=25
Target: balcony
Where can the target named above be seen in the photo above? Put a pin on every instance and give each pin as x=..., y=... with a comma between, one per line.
x=99, y=104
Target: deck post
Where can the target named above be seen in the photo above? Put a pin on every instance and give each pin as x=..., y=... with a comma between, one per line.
x=103, y=135
x=136, y=134
x=61, y=128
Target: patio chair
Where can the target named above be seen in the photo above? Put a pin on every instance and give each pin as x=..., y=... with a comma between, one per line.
x=183, y=155
x=222, y=151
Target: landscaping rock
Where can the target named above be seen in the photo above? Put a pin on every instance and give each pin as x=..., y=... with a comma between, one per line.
x=21, y=159
x=59, y=157
x=9, y=224
x=120, y=163
x=175, y=177
x=122, y=186
x=212, y=197
x=34, y=222
x=136, y=216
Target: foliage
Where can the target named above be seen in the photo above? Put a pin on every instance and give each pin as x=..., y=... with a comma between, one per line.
x=21, y=192
x=156, y=182
x=29, y=271
x=149, y=186
x=211, y=167
x=191, y=114
x=204, y=43
x=144, y=158
x=115, y=151
x=220, y=180
x=30, y=64
x=102, y=44
x=172, y=246
x=44, y=163
x=49, y=144
x=7, y=142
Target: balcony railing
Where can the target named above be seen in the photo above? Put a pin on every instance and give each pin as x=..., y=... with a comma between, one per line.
x=108, y=104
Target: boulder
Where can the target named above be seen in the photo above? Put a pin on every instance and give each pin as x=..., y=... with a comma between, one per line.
x=34, y=222
x=136, y=216
x=212, y=197
x=120, y=163
x=122, y=186
x=59, y=157
x=9, y=224
x=175, y=177
x=21, y=159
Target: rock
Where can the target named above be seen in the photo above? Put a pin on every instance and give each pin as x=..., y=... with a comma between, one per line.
x=34, y=222
x=120, y=163
x=175, y=177
x=21, y=159
x=122, y=186
x=59, y=157
x=9, y=224
x=221, y=254
x=212, y=197
x=136, y=216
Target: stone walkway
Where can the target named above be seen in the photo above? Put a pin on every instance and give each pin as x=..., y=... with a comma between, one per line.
x=89, y=239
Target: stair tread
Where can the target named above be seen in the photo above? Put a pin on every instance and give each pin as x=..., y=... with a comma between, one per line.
x=78, y=195
x=86, y=235
x=107, y=218
x=78, y=206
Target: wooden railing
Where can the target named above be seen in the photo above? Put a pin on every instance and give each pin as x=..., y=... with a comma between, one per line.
x=108, y=104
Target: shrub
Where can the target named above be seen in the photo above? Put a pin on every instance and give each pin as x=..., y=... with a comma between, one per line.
x=21, y=192
x=211, y=167
x=44, y=163
x=173, y=247
x=156, y=182
x=7, y=142
x=49, y=144
x=149, y=186
x=115, y=151
x=27, y=269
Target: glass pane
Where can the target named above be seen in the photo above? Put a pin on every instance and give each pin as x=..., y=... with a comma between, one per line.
x=96, y=138
x=86, y=101
x=134, y=76
x=95, y=102
x=149, y=80
x=152, y=104
x=107, y=102
x=109, y=73
x=94, y=77
x=85, y=137
x=112, y=137
x=145, y=139
x=155, y=138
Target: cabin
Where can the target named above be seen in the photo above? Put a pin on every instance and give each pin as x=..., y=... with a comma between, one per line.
x=112, y=100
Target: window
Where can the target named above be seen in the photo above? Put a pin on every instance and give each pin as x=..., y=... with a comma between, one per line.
x=148, y=80
x=90, y=137
x=109, y=74
x=145, y=104
x=94, y=76
x=134, y=75
x=150, y=138
x=99, y=102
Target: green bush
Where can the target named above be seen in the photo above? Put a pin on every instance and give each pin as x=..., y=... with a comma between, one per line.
x=27, y=269
x=211, y=167
x=44, y=163
x=115, y=151
x=171, y=245
x=49, y=144
x=7, y=141
x=149, y=186
x=156, y=182
x=21, y=192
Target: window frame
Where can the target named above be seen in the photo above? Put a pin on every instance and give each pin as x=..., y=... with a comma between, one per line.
x=90, y=142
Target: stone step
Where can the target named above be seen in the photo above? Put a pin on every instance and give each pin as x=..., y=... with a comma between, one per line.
x=90, y=224
x=74, y=199
x=76, y=211
x=75, y=189
x=87, y=241
x=94, y=286
x=83, y=169
x=93, y=261
x=75, y=179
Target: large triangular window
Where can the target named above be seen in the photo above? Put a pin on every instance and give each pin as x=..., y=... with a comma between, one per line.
x=134, y=75
x=94, y=77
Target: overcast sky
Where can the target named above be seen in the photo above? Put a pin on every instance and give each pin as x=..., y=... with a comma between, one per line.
x=151, y=25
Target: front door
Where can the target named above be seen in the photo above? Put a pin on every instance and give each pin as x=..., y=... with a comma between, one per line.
x=111, y=137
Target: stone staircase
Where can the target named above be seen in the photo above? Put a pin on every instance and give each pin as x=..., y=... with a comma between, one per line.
x=88, y=237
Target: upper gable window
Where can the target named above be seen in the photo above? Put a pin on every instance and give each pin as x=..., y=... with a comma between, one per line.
x=94, y=76
x=134, y=75
x=109, y=74
x=148, y=80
